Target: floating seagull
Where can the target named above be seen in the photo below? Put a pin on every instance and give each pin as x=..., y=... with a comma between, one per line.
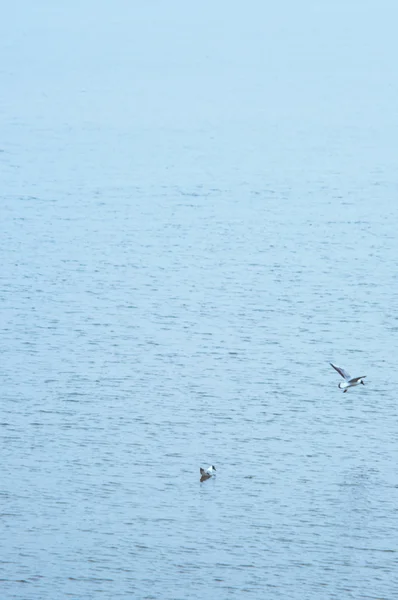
x=207, y=473
x=349, y=381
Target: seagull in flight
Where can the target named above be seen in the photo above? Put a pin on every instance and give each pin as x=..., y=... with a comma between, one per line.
x=207, y=473
x=349, y=381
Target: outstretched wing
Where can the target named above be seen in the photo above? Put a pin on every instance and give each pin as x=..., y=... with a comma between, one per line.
x=202, y=471
x=355, y=379
x=341, y=372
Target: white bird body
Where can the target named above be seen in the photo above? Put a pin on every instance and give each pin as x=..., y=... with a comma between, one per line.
x=207, y=473
x=348, y=380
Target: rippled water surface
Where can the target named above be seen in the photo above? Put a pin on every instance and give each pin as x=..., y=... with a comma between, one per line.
x=198, y=214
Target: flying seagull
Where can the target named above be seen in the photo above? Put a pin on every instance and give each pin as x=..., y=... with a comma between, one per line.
x=349, y=381
x=207, y=473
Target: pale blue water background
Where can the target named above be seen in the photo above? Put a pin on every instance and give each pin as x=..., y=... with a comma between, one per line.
x=198, y=213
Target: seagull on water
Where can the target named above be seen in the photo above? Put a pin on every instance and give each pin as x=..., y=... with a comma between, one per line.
x=207, y=473
x=349, y=381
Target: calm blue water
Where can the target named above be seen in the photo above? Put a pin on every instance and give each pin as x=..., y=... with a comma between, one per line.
x=198, y=213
